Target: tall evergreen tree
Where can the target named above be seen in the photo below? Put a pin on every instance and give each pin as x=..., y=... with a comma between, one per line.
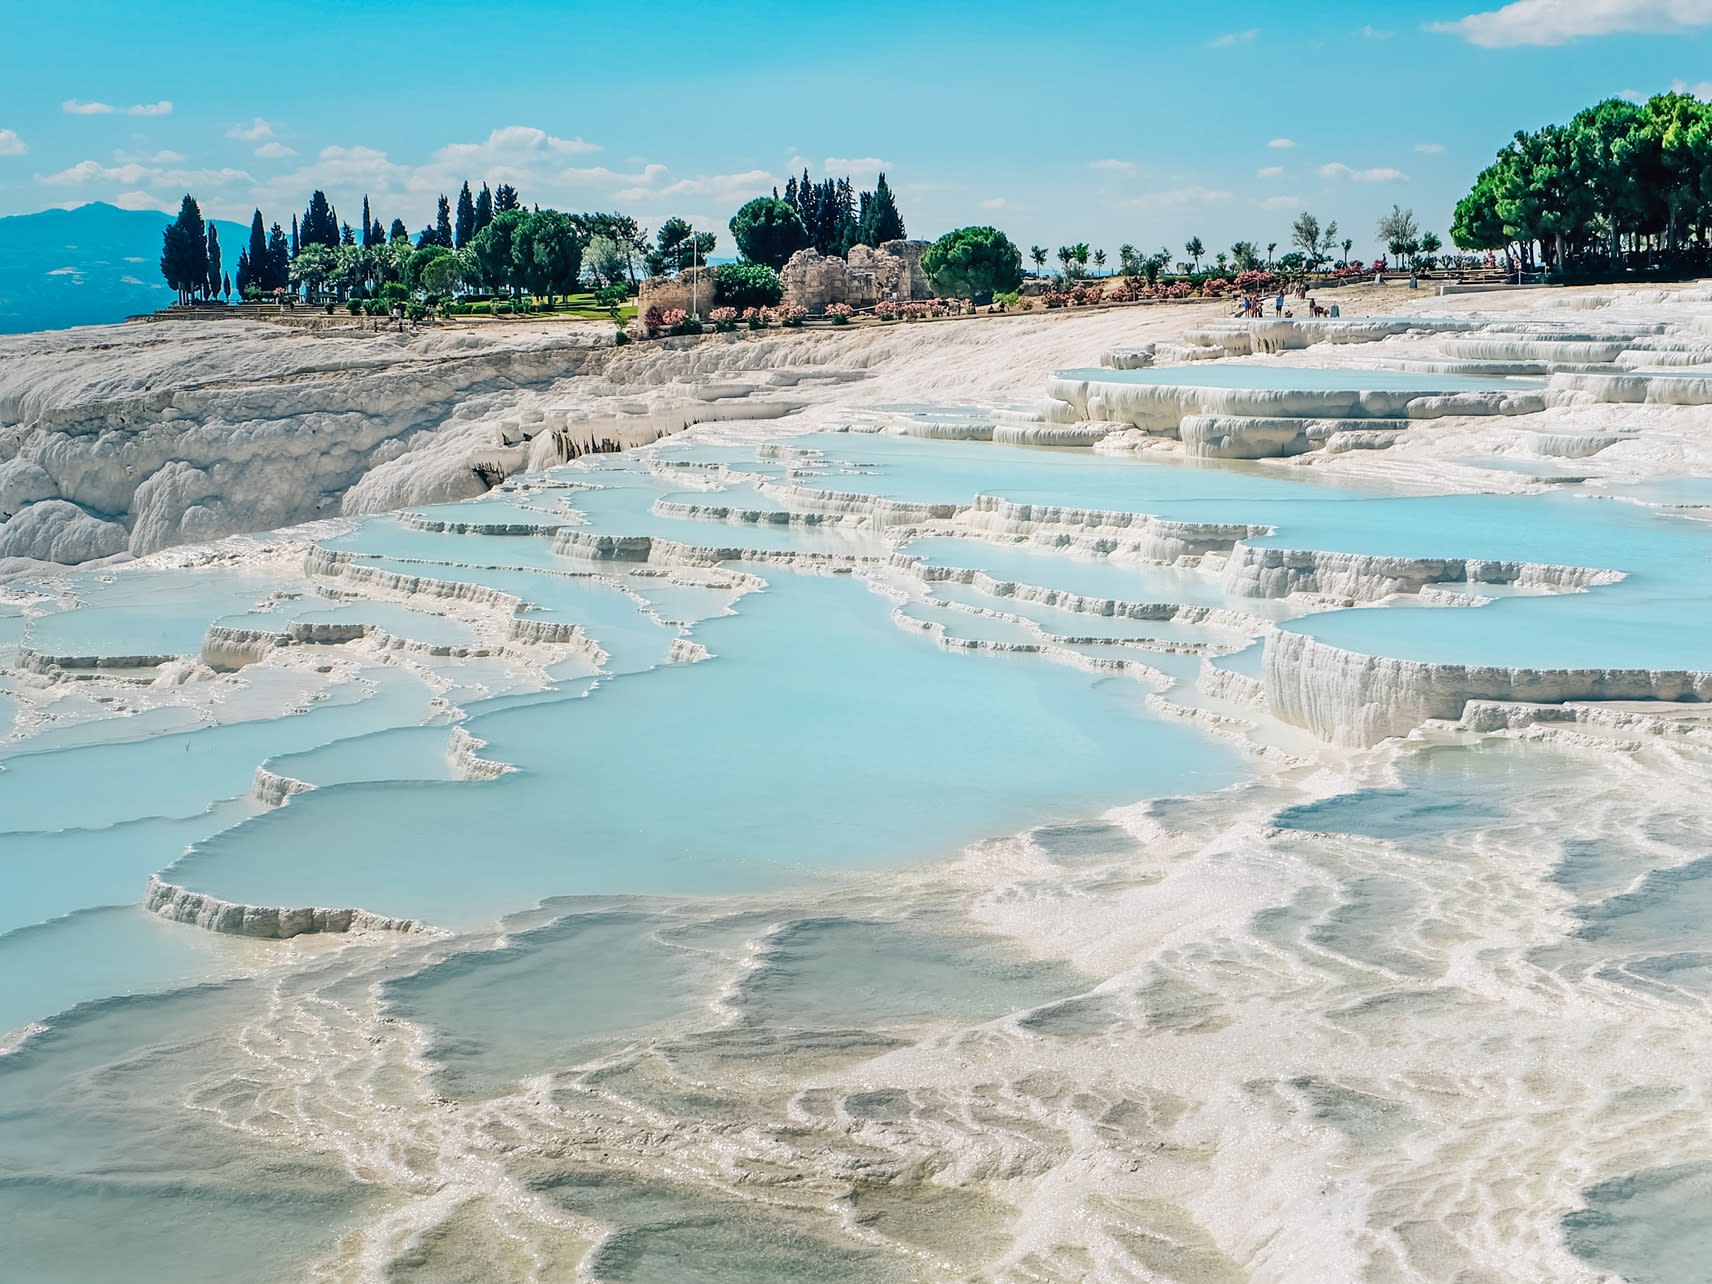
x=213, y=285
x=320, y=224
x=184, y=251
x=880, y=221
x=368, y=223
x=505, y=198
x=346, y=235
x=377, y=233
x=294, y=242
x=484, y=208
x=226, y=286
x=465, y=227
x=252, y=263
x=278, y=260
x=399, y=232
x=443, y=222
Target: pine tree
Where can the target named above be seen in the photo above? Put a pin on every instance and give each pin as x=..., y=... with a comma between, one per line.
x=377, y=234
x=465, y=227
x=505, y=198
x=252, y=263
x=368, y=222
x=484, y=208
x=443, y=222
x=346, y=235
x=320, y=222
x=399, y=231
x=880, y=220
x=278, y=260
x=213, y=282
x=184, y=251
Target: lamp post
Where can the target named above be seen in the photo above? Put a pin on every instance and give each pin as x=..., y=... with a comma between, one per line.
x=695, y=281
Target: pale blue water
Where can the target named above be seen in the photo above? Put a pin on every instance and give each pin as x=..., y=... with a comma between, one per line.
x=821, y=744
x=1232, y=374
x=841, y=738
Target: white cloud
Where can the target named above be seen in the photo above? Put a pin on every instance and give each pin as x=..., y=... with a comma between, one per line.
x=11, y=144
x=1235, y=38
x=253, y=132
x=1631, y=95
x=1382, y=174
x=1701, y=89
x=1282, y=144
x=134, y=173
x=145, y=201
x=129, y=280
x=1371, y=32
x=1117, y=166
x=993, y=203
x=724, y=189
x=275, y=151
x=1280, y=202
x=1555, y=22
x=1270, y=171
x=73, y=107
x=1429, y=149
x=856, y=165
x=1171, y=199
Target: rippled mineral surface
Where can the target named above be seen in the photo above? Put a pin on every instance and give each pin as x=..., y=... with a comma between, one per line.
x=1241, y=815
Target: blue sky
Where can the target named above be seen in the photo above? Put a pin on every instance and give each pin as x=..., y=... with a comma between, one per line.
x=1140, y=122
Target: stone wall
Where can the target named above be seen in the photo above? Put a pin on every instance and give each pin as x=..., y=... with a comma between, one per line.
x=692, y=290
x=814, y=281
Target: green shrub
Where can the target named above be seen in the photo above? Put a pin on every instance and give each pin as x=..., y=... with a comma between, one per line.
x=329, y=306
x=393, y=292
x=748, y=285
x=354, y=307
x=973, y=263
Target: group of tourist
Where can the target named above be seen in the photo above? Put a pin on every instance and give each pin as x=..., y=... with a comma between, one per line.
x=1254, y=307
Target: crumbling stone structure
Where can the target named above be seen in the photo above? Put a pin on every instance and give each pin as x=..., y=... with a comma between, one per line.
x=893, y=272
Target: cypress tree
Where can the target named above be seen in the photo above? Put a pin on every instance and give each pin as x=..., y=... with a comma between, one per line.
x=226, y=286
x=443, y=222
x=377, y=234
x=294, y=245
x=213, y=281
x=184, y=251
x=278, y=260
x=253, y=264
x=465, y=227
x=399, y=231
x=881, y=221
x=320, y=222
x=368, y=222
x=484, y=208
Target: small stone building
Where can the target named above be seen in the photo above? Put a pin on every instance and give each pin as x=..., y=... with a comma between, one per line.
x=693, y=290
x=892, y=272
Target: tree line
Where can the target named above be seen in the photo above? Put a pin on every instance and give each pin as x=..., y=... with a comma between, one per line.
x=1622, y=184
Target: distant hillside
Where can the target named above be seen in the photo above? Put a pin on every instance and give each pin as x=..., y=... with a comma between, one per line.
x=87, y=266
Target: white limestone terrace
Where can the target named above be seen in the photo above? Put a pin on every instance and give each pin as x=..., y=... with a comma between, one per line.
x=123, y=440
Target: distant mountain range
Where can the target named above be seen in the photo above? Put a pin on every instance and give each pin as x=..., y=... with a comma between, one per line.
x=88, y=266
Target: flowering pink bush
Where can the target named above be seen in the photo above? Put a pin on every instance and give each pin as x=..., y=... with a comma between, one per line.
x=755, y=318
x=1254, y=282
x=886, y=310
x=915, y=310
x=840, y=313
x=673, y=317
x=654, y=320
x=1177, y=290
x=792, y=314
x=1055, y=298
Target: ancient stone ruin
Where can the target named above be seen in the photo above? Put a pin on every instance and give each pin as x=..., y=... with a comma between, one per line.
x=893, y=272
